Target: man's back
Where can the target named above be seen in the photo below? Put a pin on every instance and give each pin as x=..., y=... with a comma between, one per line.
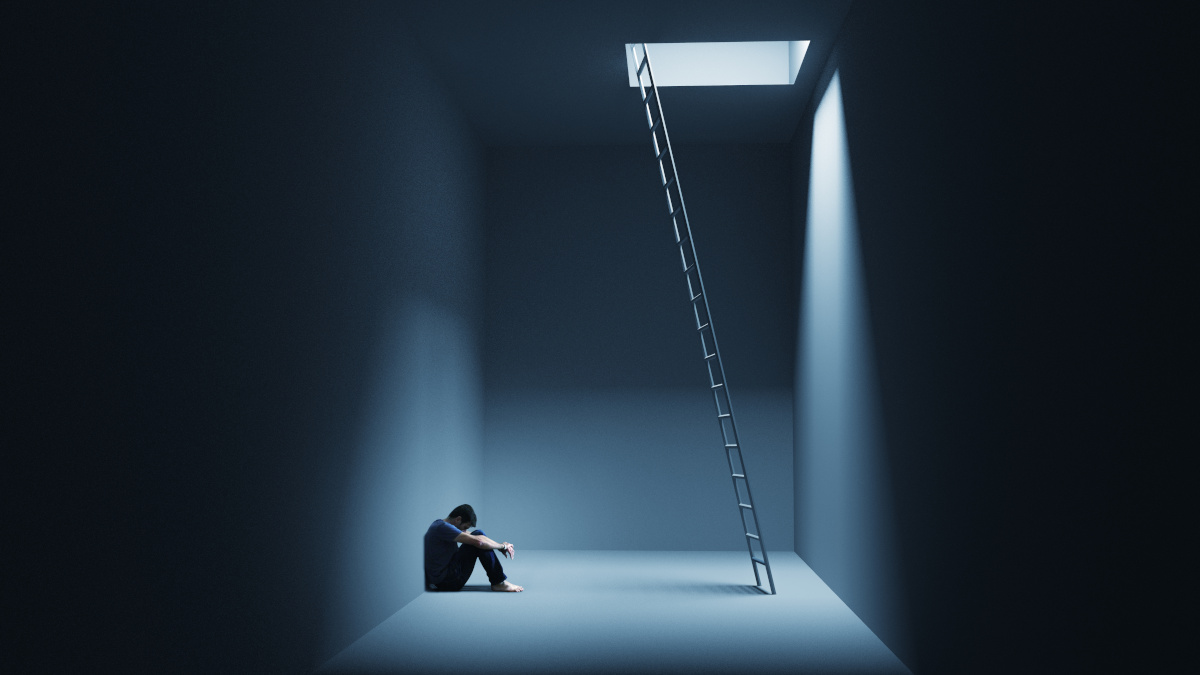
x=439, y=550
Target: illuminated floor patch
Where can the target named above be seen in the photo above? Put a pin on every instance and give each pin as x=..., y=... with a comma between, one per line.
x=626, y=612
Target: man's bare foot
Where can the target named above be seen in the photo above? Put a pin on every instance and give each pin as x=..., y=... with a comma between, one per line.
x=506, y=587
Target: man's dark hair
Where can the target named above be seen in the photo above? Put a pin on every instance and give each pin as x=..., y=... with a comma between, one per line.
x=467, y=513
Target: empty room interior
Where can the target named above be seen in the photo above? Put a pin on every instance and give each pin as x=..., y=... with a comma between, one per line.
x=334, y=270
x=557, y=366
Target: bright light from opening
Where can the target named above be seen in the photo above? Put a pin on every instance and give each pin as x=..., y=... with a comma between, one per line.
x=715, y=64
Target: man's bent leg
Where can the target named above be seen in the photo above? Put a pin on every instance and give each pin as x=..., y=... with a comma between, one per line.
x=461, y=567
x=463, y=563
x=489, y=560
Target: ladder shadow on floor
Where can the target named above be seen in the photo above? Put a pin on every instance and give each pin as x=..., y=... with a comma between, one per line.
x=681, y=588
x=695, y=588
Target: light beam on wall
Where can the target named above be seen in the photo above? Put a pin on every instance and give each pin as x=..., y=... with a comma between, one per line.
x=844, y=526
x=420, y=455
x=715, y=64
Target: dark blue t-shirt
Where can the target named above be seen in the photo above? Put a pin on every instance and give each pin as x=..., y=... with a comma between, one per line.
x=439, y=549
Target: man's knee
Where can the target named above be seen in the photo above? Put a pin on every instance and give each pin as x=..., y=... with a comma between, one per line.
x=479, y=533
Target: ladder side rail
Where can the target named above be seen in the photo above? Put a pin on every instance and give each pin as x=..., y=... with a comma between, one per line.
x=711, y=325
x=757, y=528
x=737, y=494
x=691, y=240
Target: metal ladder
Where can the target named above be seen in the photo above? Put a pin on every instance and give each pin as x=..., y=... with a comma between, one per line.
x=704, y=327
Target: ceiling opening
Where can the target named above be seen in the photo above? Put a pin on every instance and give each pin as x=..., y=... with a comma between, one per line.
x=716, y=64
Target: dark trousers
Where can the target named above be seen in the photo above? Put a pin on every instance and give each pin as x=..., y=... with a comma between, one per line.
x=463, y=563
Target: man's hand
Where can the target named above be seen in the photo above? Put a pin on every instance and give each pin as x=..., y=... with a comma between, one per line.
x=487, y=544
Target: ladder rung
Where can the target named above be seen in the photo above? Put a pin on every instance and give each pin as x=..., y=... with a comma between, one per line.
x=649, y=92
x=659, y=156
x=677, y=210
x=738, y=475
x=731, y=445
x=701, y=327
x=667, y=185
x=656, y=125
x=745, y=506
x=722, y=416
x=689, y=267
x=718, y=386
x=709, y=356
x=644, y=62
x=697, y=296
x=753, y=536
x=758, y=561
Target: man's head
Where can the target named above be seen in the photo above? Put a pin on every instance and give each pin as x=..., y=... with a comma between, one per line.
x=462, y=517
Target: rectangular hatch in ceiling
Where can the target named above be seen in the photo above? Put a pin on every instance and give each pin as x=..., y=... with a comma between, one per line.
x=716, y=64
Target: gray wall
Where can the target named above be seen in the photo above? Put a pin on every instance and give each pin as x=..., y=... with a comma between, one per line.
x=903, y=331
x=1011, y=238
x=598, y=415
x=845, y=527
x=417, y=450
x=255, y=283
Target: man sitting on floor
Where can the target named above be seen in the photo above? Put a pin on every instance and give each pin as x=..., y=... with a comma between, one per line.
x=447, y=567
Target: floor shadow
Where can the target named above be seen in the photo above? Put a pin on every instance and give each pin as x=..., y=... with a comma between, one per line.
x=470, y=588
x=476, y=588
x=685, y=588
x=720, y=589
x=699, y=588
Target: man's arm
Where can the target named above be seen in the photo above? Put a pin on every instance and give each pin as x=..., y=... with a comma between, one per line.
x=485, y=543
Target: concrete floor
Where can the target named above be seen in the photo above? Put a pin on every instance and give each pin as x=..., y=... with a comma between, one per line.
x=626, y=612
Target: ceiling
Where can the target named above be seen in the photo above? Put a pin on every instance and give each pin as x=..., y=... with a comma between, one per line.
x=553, y=73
